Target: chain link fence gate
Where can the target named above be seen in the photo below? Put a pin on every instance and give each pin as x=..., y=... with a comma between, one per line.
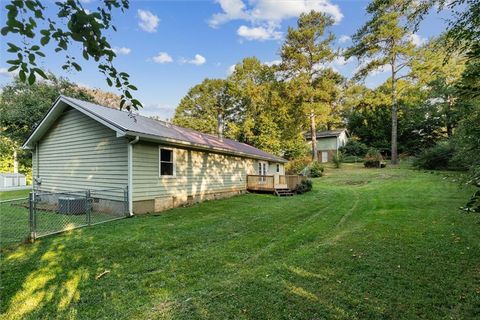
x=45, y=212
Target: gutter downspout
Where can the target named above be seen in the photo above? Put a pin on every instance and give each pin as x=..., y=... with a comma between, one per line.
x=130, y=174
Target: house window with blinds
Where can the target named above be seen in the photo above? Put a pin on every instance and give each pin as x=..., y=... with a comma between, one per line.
x=167, y=162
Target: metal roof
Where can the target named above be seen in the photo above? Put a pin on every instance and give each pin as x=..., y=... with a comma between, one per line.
x=326, y=134
x=146, y=128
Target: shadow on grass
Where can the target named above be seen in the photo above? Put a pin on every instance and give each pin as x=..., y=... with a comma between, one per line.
x=376, y=251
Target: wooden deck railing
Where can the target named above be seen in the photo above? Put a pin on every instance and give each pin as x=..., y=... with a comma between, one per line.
x=261, y=183
x=293, y=181
x=267, y=183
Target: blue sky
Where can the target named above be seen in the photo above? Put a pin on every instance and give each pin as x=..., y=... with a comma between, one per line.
x=169, y=46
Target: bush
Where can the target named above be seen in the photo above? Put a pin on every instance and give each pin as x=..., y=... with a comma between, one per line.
x=439, y=157
x=305, y=186
x=373, y=159
x=338, y=160
x=296, y=166
x=354, y=148
x=316, y=169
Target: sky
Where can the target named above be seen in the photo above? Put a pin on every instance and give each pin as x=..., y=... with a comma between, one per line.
x=168, y=47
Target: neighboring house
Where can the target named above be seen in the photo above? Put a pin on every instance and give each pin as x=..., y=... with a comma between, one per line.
x=328, y=143
x=80, y=145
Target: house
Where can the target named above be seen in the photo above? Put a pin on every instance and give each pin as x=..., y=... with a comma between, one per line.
x=328, y=143
x=80, y=145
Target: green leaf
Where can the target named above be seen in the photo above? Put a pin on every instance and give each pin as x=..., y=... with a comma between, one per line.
x=128, y=94
x=44, y=40
x=14, y=61
x=76, y=66
x=41, y=73
x=131, y=86
x=31, y=78
x=109, y=81
x=12, y=48
x=13, y=68
x=22, y=75
x=5, y=31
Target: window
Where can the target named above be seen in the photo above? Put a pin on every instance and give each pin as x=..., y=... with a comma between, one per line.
x=167, y=166
x=278, y=168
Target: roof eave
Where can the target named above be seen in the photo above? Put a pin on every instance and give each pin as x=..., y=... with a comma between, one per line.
x=182, y=143
x=28, y=144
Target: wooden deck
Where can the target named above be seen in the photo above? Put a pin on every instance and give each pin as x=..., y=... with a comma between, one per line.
x=271, y=183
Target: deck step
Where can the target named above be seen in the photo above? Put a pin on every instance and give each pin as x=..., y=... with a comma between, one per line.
x=284, y=192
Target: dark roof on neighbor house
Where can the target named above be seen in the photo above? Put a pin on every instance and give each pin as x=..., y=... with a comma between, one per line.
x=127, y=124
x=326, y=134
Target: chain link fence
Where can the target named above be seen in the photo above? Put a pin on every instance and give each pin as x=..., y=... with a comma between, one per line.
x=45, y=212
x=14, y=221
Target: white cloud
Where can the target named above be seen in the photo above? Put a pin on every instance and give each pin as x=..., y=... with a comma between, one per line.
x=259, y=33
x=417, y=40
x=341, y=61
x=147, y=20
x=344, y=39
x=9, y=74
x=272, y=63
x=265, y=16
x=162, y=111
x=162, y=57
x=231, y=69
x=121, y=50
x=271, y=11
x=197, y=60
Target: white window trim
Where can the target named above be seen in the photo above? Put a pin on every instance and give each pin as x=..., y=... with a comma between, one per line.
x=174, y=160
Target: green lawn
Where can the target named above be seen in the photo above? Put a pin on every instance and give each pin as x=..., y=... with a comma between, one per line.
x=364, y=244
x=8, y=195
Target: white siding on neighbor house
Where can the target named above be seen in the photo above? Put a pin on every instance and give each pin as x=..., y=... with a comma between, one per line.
x=196, y=173
x=79, y=153
x=272, y=168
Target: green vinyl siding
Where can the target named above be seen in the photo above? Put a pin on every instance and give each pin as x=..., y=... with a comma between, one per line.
x=79, y=153
x=329, y=143
x=197, y=173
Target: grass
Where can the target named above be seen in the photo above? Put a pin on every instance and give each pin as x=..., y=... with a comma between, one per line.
x=15, y=216
x=8, y=195
x=364, y=244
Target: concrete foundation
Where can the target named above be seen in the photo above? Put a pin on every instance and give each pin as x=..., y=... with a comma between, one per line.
x=160, y=204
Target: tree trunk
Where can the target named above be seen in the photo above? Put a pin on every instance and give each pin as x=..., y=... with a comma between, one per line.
x=313, y=133
x=394, y=152
x=448, y=117
x=15, y=161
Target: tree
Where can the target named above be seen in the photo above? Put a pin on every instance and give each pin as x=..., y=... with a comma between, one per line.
x=22, y=107
x=463, y=29
x=305, y=54
x=383, y=41
x=32, y=30
x=255, y=106
x=436, y=70
x=203, y=105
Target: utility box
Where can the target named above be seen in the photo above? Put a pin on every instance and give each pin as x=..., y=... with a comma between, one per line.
x=72, y=205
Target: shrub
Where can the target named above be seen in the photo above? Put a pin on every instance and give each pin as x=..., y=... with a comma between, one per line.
x=439, y=157
x=354, y=148
x=316, y=169
x=296, y=166
x=305, y=186
x=338, y=160
x=373, y=159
